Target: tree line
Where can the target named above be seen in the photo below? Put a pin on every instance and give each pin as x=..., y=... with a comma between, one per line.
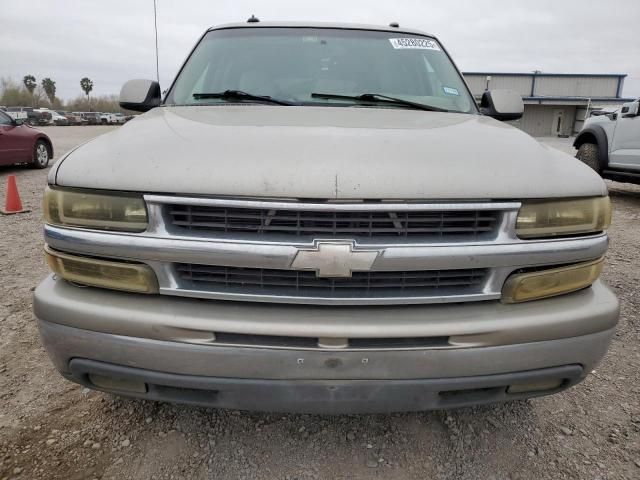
x=30, y=93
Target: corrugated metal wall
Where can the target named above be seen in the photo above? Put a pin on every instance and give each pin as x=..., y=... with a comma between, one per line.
x=547, y=86
x=520, y=84
x=541, y=120
x=576, y=86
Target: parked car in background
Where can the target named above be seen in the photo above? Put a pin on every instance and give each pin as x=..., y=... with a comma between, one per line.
x=610, y=143
x=363, y=238
x=75, y=119
x=32, y=116
x=92, y=118
x=58, y=119
x=45, y=116
x=119, y=118
x=108, y=118
x=80, y=118
x=16, y=113
x=21, y=143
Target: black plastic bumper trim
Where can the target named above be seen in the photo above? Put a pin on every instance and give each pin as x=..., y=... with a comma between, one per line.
x=324, y=396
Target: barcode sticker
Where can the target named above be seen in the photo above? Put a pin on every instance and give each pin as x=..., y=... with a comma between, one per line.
x=414, y=43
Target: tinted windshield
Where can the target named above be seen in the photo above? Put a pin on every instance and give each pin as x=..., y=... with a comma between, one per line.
x=292, y=63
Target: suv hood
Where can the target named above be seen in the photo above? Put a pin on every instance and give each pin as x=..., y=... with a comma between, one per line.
x=324, y=153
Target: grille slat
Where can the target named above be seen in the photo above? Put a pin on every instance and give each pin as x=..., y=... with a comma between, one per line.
x=261, y=221
x=334, y=229
x=293, y=282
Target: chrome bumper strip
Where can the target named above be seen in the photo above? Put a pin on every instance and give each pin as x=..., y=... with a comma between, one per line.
x=161, y=252
x=516, y=254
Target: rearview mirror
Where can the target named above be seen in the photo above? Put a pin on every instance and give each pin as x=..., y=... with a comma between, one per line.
x=630, y=109
x=18, y=121
x=502, y=104
x=140, y=95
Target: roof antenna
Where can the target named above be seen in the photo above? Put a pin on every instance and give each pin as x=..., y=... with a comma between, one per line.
x=394, y=25
x=253, y=19
x=155, y=23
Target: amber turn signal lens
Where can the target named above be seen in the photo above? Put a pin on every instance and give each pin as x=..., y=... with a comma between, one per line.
x=523, y=287
x=130, y=277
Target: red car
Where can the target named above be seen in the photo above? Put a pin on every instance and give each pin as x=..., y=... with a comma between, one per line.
x=20, y=143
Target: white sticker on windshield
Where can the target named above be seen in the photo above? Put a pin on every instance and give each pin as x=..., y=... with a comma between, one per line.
x=417, y=43
x=450, y=91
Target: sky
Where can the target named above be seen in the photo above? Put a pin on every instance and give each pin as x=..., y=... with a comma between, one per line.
x=113, y=41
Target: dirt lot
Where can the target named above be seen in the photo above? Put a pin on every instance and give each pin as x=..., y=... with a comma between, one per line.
x=52, y=429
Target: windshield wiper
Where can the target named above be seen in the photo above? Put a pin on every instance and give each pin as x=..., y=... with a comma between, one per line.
x=240, y=95
x=378, y=98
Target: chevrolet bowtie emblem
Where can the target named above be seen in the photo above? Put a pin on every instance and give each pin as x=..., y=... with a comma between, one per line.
x=334, y=259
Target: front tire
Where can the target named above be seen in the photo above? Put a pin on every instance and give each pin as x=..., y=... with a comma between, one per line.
x=41, y=155
x=588, y=154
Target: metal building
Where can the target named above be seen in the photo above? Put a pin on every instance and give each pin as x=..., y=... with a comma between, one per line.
x=555, y=103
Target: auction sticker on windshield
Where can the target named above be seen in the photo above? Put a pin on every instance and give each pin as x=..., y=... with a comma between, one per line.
x=417, y=43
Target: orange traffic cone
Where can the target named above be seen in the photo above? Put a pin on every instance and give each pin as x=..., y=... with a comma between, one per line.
x=13, y=203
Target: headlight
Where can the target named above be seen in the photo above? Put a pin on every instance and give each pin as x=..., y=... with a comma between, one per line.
x=539, y=219
x=113, y=274
x=77, y=208
x=522, y=287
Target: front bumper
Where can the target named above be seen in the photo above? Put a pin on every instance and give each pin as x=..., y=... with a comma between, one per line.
x=151, y=339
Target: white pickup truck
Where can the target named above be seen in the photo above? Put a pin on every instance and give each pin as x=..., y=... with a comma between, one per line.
x=15, y=112
x=111, y=118
x=610, y=143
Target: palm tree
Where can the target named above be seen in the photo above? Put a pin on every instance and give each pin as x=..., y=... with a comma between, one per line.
x=30, y=84
x=87, y=85
x=49, y=87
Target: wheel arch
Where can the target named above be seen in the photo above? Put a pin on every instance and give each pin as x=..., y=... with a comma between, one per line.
x=48, y=142
x=595, y=134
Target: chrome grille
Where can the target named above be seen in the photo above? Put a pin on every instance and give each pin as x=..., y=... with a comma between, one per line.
x=259, y=281
x=327, y=223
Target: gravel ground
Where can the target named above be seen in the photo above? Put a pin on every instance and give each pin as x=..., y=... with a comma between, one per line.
x=53, y=429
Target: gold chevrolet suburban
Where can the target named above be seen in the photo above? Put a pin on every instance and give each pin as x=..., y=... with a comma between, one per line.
x=320, y=218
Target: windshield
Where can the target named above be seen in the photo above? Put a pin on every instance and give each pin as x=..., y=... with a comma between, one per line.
x=291, y=64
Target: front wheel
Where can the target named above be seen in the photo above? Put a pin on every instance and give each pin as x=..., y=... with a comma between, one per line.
x=588, y=154
x=41, y=154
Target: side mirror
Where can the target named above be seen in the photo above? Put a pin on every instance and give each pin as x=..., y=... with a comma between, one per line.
x=630, y=109
x=502, y=104
x=140, y=95
x=18, y=121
